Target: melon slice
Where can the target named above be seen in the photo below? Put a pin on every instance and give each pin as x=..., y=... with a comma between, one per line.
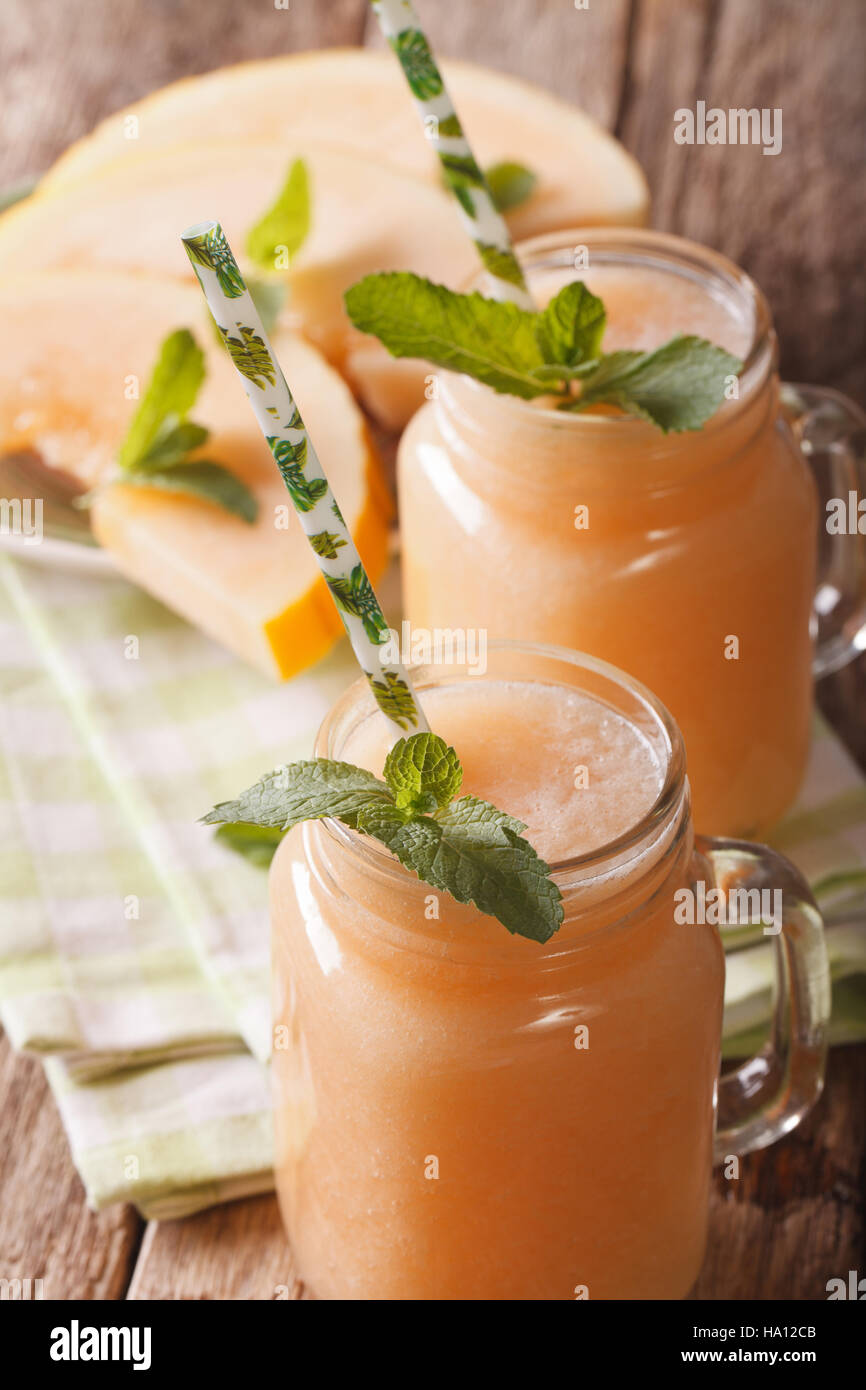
x=357, y=99
x=72, y=343
x=366, y=216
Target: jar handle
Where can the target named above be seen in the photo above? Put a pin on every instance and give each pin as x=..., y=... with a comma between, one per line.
x=831, y=432
x=768, y=1095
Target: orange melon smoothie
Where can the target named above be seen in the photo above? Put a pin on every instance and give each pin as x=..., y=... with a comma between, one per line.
x=687, y=559
x=465, y=1114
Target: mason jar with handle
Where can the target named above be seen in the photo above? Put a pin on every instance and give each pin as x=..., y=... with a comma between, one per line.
x=688, y=559
x=466, y=1114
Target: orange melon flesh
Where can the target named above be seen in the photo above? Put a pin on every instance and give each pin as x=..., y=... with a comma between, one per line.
x=73, y=340
x=357, y=99
x=365, y=217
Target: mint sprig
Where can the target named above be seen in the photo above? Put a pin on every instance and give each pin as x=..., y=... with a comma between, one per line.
x=156, y=452
x=465, y=847
x=555, y=351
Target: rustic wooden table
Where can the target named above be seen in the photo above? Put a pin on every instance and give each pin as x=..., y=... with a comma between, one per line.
x=795, y=1217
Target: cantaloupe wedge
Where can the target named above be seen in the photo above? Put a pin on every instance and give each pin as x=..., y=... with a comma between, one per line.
x=357, y=99
x=366, y=216
x=73, y=343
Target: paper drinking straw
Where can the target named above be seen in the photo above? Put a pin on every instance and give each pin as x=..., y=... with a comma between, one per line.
x=461, y=170
x=241, y=330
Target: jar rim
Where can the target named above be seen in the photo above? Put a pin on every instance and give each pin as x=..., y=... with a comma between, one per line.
x=605, y=859
x=647, y=247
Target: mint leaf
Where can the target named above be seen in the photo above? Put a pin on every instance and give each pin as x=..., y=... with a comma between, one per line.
x=285, y=224
x=256, y=843
x=610, y=370
x=527, y=353
x=155, y=452
x=467, y=848
x=470, y=850
x=303, y=791
x=510, y=183
x=677, y=386
x=199, y=478
x=423, y=773
x=488, y=339
x=569, y=330
x=171, y=392
x=483, y=814
x=171, y=444
x=556, y=372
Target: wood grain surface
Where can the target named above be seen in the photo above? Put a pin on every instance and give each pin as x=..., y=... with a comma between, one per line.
x=235, y=1251
x=794, y=1218
x=46, y=1229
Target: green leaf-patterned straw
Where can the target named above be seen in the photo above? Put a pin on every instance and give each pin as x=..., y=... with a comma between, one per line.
x=460, y=168
x=241, y=330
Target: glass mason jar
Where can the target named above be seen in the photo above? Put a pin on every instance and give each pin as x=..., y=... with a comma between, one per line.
x=686, y=559
x=464, y=1114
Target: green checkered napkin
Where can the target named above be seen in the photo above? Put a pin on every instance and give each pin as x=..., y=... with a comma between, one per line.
x=92, y=964
x=172, y=1138
x=134, y=949
x=121, y=727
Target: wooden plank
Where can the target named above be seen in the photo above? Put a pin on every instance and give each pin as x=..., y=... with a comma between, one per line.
x=237, y=1251
x=793, y=221
x=47, y=1231
x=576, y=54
x=795, y=1217
x=65, y=67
